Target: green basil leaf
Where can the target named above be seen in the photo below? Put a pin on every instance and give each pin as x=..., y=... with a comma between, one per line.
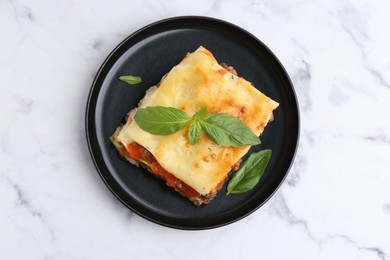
x=161, y=120
x=226, y=130
x=200, y=114
x=194, y=132
x=249, y=173
x=132, y=80
x=195, y=128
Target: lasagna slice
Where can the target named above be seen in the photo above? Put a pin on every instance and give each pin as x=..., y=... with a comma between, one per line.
x=196, y=171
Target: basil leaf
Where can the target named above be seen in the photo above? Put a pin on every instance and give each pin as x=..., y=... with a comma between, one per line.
x=195, y=128
x=132, y=80
x=226, y=130
x=249, y=173
x=194, y=132
x=161, y=120
x=200, y=114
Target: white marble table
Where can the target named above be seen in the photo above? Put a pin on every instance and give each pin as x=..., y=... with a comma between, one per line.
x=335, y=203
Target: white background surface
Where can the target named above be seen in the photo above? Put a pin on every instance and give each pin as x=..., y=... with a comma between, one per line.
x=335, y=203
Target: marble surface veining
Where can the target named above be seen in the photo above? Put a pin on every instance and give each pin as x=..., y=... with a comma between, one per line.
x=335, y=203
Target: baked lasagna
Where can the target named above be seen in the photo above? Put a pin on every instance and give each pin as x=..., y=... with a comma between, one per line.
x=196, y=171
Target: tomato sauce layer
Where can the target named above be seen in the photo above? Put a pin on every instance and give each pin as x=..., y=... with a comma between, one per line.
x=139, y=153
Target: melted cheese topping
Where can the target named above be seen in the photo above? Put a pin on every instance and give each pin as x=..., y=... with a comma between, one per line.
x=196, y=82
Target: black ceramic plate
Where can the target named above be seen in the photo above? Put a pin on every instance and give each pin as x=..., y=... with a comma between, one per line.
x=150, y=53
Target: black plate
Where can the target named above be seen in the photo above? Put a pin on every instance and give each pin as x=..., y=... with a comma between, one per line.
x=150, y=53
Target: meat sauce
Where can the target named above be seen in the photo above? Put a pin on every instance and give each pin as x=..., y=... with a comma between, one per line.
x=139, y=153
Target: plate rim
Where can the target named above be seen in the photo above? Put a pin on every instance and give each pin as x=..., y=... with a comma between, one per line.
x=89, y=125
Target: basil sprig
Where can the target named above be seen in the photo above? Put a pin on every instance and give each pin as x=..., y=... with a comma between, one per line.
x=223, y=129
x=249, y=173
x=132, y=80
